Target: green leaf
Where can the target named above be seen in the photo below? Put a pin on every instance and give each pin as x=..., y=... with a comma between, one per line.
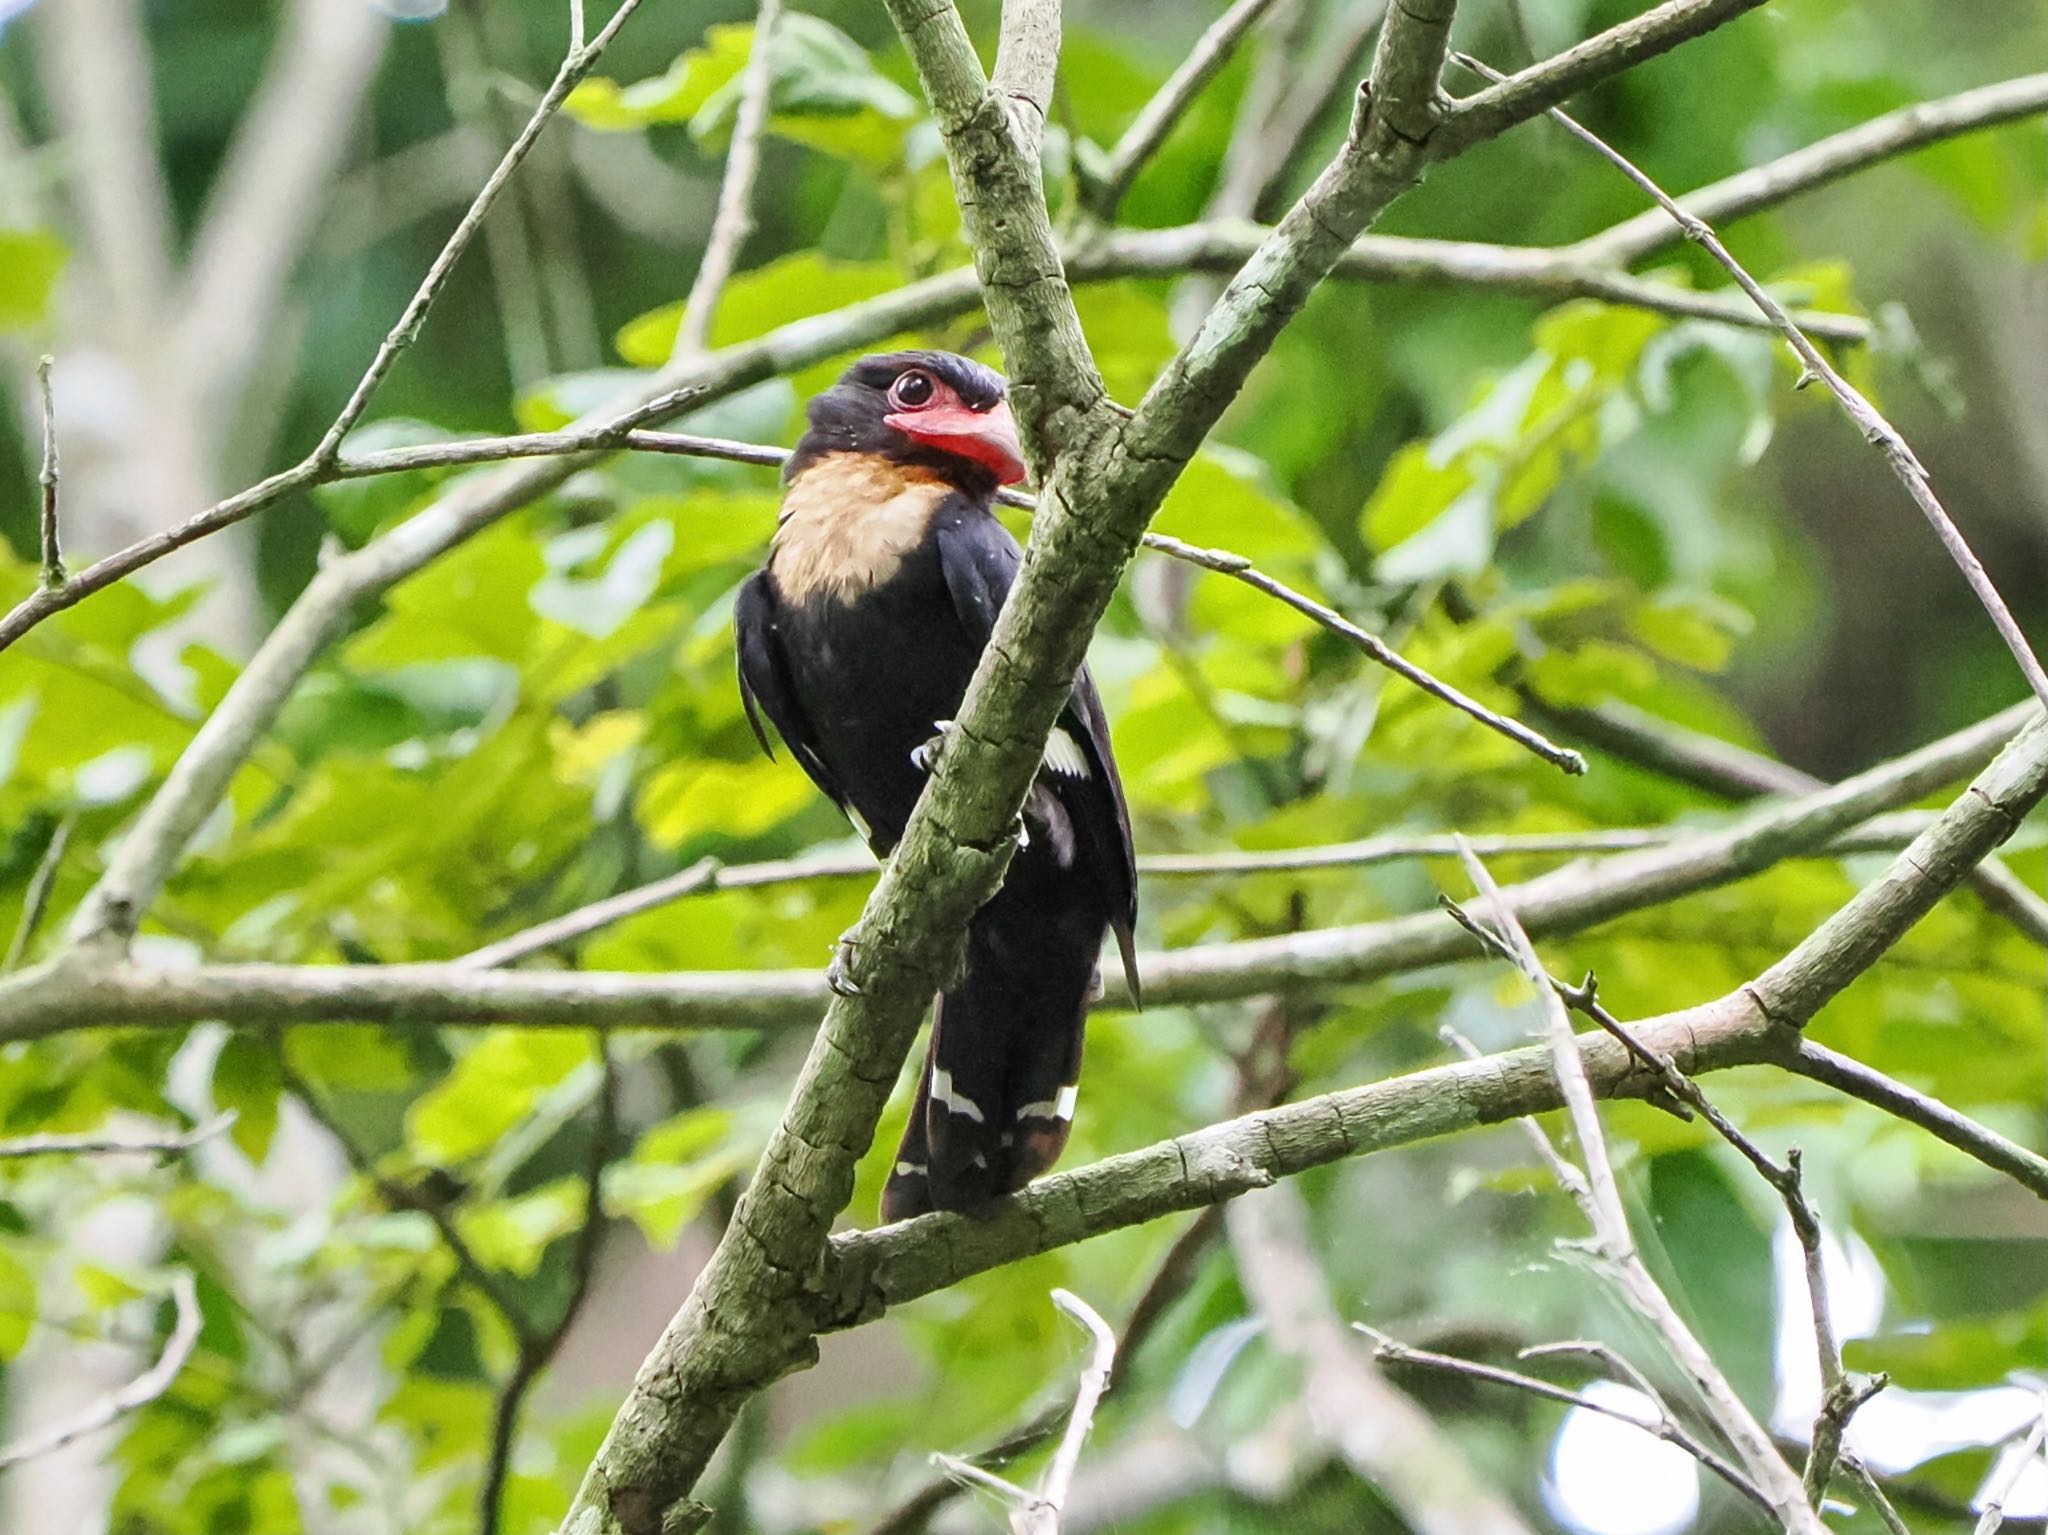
x=824, y=93
x=248, y=1078
x=18, y=1308
x=30, y=260
x=491, y=1088
x=696, y=798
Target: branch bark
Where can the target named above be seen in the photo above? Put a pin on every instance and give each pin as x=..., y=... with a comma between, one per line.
x=1757, y=1023
x=85, y=989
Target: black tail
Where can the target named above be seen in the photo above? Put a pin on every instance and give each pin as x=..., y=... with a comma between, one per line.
x=996, y=1101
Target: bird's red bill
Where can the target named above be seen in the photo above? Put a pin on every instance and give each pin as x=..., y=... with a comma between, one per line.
x=986, y=437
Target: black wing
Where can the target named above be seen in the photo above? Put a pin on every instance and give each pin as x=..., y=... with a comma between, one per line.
x=765, y=687
x=980, y=560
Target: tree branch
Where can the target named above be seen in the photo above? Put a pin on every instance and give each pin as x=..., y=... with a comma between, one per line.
x=1376, y=1429
x=52, y=568
x=138, y=1393
x=733, y=219
x=1754, y=1024
x=1535, y=90
x=1879, y=432
x=1829, y=159
x=85, y=990
x=1724, y=769
x=98, y=1145
x=1156, y=119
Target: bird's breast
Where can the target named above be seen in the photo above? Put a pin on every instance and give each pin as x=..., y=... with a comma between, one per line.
x=848, y=521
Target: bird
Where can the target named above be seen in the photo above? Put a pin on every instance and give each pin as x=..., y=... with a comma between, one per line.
x=856, y=640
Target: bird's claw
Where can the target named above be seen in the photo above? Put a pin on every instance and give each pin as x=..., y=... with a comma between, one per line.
x=839, y=973
x=926, y=757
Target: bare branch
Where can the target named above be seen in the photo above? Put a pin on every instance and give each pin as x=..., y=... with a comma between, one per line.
x=1239, y=568
x=89, y=991
x=138, y=1393
x=2016, y=1467
x=1829, y=159
x=35, y=901
x=1874, y=427
x=538, y=1349
x=1753, y=1446
x=1156, y=119
x=97, y=1145
x=575, y=66
x=1377, y=1430
x=1719, y=767
x=733, y=219
x=1535, y=90
x=46, y=477
x=1665, y=1425
x=1756, y=1022
x=1817, y=1063
x=1041, y=1514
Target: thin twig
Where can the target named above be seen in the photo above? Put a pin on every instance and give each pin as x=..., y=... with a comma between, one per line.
x=396, y=1196
x=1817, y=1063
x=1823, y=161
x=35, y=901
x=1874, y=1494
x=575, y=66
x=733, y=220
x=709, y=874
x=1041, y=1516
x=139, y=1392
x=2016, y=1467
x=1616, y=1244
x=1170, y=1280
x=538, y=1349
x=53, y=553
x=95, y=1144
x=1239, y=568
x=1156, y=119
x=1841, y=1394
x=1664, y=1425
x=1876, y=430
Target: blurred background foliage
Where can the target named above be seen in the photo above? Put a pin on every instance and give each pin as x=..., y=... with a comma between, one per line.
x=1595, y=504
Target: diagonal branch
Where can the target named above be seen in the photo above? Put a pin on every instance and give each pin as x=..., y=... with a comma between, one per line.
x=1156, y=119
x=1829, y=159
x=1756, y=1023
x=138, y=1393
x=1876, y=430
x=733, y=219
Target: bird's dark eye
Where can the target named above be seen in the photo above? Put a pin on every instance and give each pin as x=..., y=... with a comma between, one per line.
x=913, y=390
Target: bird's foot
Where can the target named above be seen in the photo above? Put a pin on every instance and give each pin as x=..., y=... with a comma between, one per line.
x=839, y=974
x=926, y=757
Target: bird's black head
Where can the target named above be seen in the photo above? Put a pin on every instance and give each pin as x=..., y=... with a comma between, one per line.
x=937, y=410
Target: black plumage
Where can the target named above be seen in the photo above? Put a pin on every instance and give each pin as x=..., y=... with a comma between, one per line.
x=857, y=640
